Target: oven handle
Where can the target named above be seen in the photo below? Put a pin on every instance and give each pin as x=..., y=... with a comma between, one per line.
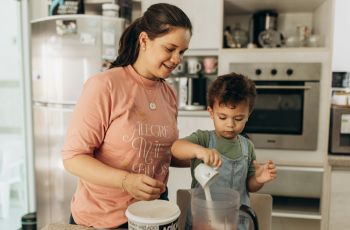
x=282, y=87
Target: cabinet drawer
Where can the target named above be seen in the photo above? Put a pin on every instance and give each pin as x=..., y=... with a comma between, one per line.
x=296, y=182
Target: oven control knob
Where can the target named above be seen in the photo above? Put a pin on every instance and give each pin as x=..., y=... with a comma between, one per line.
x=274, y=71
x=289, y=72
x=258, y=72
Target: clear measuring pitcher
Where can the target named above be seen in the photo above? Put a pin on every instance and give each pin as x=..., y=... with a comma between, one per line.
x=222, y=212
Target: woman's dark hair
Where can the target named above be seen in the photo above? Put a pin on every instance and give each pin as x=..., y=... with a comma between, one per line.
x=158, y=20
x=232, y=89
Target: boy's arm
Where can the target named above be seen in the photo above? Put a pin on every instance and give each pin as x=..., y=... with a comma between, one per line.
x=253, y=185
x=185, y=150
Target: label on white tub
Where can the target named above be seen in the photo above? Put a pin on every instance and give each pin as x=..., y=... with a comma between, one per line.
x=137, y=226
x=345, y=124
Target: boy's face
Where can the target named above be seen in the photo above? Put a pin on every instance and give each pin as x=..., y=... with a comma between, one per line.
x=229, y=121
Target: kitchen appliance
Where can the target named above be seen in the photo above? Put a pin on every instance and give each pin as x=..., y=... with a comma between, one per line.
x=261, y=21
x=216, y=208
x=66, y=50
x=196, y=93
x=285, y=115
x=339, y=135
x=270, y=38
x=190, y=91
x=341, y=79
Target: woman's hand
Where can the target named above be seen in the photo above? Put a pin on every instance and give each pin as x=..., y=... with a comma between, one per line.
x=266, y=172
x=142, y=187
x=210, y=157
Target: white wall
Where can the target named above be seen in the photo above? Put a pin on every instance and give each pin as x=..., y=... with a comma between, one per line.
x=341, y=39
x=9, y=42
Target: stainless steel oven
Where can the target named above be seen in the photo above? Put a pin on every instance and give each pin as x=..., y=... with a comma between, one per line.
x=285, y=115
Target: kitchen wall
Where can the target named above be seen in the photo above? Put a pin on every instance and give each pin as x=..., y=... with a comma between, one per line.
x=341, y=37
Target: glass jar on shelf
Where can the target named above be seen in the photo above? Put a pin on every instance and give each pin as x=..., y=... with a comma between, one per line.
x=240, y=36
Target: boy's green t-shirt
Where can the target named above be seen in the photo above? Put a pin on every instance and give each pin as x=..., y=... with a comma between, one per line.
x=229, y=148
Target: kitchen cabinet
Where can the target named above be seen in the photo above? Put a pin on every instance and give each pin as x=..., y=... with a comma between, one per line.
x=205, y=16
x=341, y=37
x=340, y=199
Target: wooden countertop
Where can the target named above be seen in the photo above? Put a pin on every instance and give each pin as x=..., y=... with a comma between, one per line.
x=339, y=160
x=61, y=226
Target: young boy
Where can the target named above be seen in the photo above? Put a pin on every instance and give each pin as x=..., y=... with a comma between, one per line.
x=231, y=100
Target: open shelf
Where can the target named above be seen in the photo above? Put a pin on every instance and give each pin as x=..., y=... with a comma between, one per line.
x=312, y=15
x=295, y=207
x=202, y=52
x=250, y=6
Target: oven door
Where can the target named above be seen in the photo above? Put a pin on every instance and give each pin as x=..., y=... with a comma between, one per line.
x=285, y=115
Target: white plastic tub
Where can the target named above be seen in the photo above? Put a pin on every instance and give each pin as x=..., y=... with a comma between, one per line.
x=155, y=215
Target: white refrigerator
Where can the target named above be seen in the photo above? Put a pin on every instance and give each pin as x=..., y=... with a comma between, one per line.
x=66, y=50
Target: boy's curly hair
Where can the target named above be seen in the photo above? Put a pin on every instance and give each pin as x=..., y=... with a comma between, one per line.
x=232, y=89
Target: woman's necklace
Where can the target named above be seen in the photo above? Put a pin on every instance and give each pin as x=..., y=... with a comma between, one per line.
x=151, y=103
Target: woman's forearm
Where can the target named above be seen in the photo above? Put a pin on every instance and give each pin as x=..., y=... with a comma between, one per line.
x=94, y=171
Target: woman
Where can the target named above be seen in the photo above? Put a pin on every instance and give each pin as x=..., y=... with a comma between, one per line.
x=124, y=123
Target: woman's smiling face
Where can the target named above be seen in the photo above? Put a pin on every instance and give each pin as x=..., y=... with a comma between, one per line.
x=162, y=54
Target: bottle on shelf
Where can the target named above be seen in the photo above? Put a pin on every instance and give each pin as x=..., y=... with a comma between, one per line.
x=229, y=41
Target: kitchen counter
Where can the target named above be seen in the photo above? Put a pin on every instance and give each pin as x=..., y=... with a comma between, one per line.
x=339, y=160
x=65, y=226
x=58, y=226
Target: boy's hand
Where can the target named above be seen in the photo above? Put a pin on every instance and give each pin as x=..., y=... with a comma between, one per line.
x=210, y=157
x=265, y=173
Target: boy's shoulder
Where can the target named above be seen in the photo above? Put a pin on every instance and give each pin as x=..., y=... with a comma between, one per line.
x=200, y=132
x=246, y=138
x=250, y=146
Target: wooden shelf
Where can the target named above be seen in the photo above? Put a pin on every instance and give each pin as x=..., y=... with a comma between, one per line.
x=278, y=50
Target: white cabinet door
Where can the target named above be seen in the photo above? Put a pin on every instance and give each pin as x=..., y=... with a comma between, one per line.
x=205, y=16
x=340, y=200
x=341, y=39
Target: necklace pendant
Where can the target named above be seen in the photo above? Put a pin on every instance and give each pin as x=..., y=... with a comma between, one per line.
x=152, y=106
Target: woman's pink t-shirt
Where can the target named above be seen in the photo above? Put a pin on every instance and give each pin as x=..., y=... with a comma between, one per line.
x=112, y=122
